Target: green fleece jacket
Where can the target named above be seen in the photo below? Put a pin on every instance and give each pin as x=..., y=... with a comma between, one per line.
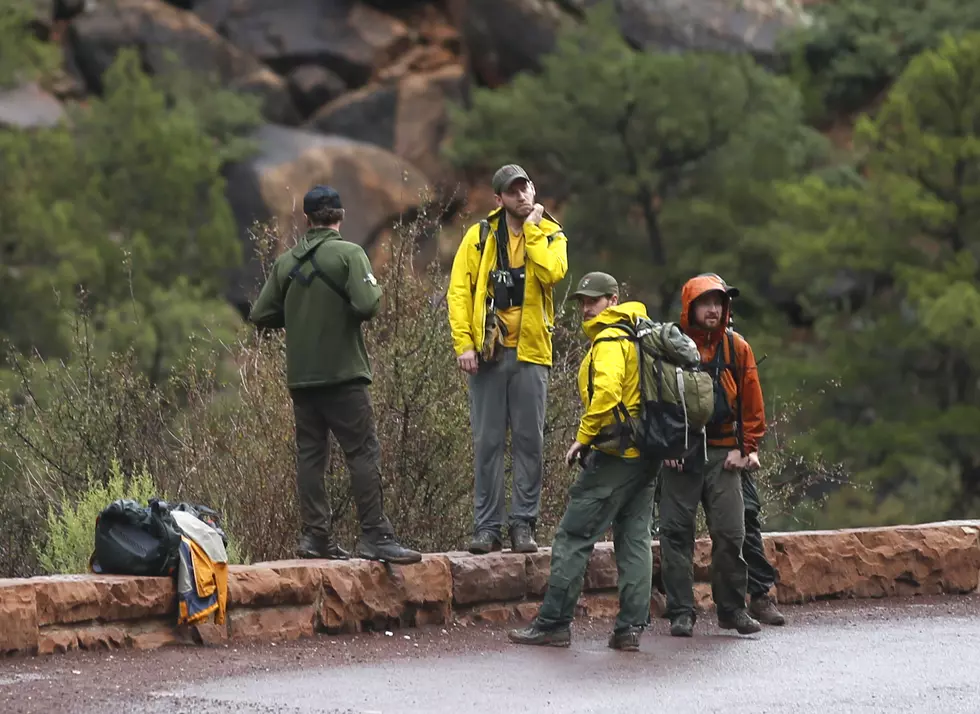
x=324, y=343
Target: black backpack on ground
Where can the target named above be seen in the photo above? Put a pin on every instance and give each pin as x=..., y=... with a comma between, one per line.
x=131, y=539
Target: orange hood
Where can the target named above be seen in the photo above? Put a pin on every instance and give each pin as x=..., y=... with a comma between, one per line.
x=695, y=288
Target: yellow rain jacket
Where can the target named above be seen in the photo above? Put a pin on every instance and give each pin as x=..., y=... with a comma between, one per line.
x=610, y=374
x=469, y=284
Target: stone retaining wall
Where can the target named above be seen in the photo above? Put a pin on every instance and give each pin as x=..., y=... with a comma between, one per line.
x=291, y=599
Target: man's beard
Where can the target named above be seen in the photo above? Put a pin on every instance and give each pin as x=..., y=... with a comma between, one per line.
x=524, y=213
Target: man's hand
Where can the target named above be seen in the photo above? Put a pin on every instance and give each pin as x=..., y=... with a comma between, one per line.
x=677, y=464
x=574, y=452
x=752, y=462
x=535, y=215
x=468, y=362
x=734, y=460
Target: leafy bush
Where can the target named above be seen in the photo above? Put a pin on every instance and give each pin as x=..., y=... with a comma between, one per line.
x=70, y=530
x=855, y=49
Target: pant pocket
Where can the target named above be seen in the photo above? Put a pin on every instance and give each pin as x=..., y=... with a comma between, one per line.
x=587, y=512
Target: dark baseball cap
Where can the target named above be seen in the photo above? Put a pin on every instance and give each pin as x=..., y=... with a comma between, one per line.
x=506, y=175
x=595, y=285
x=320, y=198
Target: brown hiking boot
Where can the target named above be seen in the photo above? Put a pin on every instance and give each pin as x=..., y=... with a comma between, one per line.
x=521, y=540
x=739, y=621
x=763, y=609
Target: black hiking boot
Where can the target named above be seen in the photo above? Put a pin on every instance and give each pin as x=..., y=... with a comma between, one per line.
x=311, y=546
x=763, y=609
x=521, y=540
x=484, y=542
x=682, y=625
x=387, y=550
x=534, y=635
x=627, y=640
x=739, y=620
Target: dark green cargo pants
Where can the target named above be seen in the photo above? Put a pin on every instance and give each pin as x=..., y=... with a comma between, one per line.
x=615, y=492
x=720, y=492
x=347, y=413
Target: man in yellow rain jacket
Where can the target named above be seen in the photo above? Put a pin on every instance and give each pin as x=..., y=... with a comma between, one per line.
x=501, y=312
x=615, y=487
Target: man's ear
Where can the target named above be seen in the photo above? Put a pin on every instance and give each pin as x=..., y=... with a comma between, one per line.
x=614, y=299
x=498, y=200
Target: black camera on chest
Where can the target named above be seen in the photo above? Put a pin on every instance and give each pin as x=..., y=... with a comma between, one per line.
x=506, y=282
x=508, y=287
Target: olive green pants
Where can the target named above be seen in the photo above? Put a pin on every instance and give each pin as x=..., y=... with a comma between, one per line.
x=720, y=491
x=615, y=492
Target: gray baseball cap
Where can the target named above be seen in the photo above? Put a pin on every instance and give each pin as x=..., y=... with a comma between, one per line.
x=506, y=175
x=595, y=285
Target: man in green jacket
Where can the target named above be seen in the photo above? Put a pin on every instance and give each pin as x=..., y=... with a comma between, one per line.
x=321, y=291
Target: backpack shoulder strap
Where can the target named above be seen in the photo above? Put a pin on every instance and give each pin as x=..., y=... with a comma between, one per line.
x=484, y=232
x=733, y=365
x=305, y=280
x=629, y=333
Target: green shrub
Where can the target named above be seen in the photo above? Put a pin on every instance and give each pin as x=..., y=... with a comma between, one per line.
x=70, y=531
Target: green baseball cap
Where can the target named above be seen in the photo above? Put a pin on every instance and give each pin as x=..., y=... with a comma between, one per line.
x=595, y=285
x=506, y=175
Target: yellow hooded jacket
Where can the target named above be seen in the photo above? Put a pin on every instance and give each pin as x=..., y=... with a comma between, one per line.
x=615, y=371
x=469, y=283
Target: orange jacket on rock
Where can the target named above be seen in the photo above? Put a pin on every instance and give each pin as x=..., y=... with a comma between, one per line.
x=709, y=342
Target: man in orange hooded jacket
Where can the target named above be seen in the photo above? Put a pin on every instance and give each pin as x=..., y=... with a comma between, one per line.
x=712, y=476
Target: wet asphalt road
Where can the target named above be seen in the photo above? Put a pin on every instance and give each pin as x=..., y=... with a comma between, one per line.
x=915, y=655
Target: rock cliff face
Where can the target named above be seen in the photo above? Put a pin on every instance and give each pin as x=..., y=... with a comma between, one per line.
x=372, y=76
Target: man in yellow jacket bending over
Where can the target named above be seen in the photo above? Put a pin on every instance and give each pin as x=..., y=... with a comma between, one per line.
x=501, y=312
x=615, y=487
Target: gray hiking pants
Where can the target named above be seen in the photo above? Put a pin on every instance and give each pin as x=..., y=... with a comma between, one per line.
x=507, y=394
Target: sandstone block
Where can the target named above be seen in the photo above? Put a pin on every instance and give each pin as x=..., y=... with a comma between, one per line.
x=488, y=578
x=601, y=573
x=538, y=567
x=658, y=604
x=56, y=639
x=603, y=606
x=877, y=562
x=358, y=591
x=527, y=610
x=18, y=616
x=496, y=614
x=151, y=635
x=125, y=597
x=280, y=623
x=68, y=598
x=287, y=582
x=703, y=602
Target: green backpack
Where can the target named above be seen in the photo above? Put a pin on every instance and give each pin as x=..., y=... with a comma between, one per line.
x=676, y=397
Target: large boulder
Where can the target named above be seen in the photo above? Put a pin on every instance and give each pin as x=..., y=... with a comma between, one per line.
x=408, y=116
x=376, y=187
x=161, y=31
x=29, y=107
x=346, y=36
x=504, y=37
x=709, y=25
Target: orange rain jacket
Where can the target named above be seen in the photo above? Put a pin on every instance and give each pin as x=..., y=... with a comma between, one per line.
x=753, y=408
